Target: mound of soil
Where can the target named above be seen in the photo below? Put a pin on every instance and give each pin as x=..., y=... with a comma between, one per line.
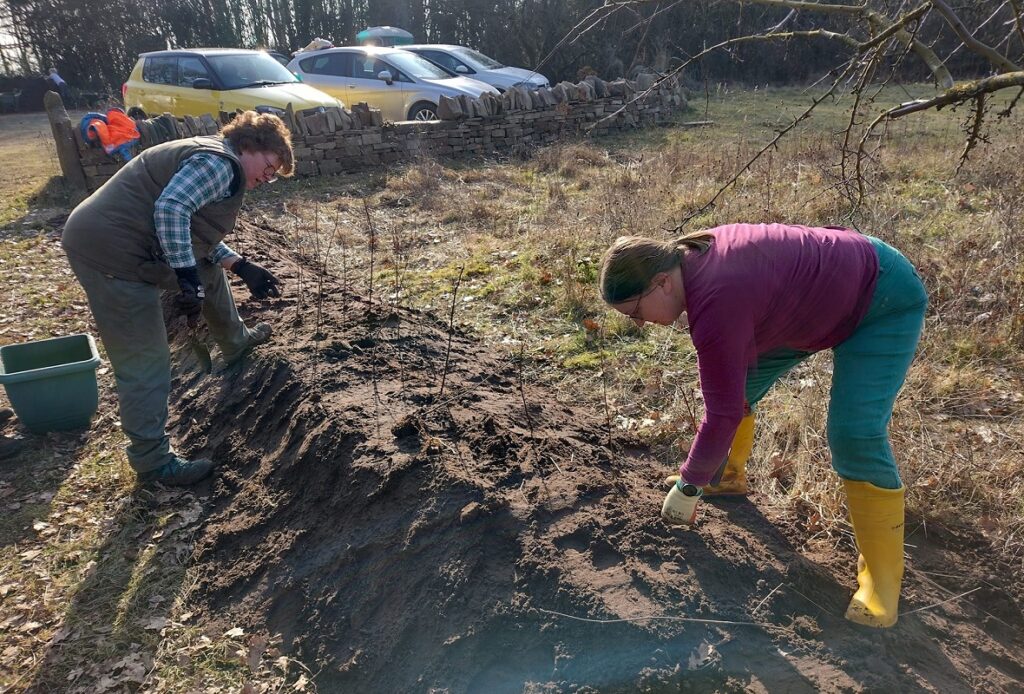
x=487, y=539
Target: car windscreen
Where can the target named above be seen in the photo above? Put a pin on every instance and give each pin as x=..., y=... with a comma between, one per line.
x=237, y=70
x=416, y=66
x=481, y=60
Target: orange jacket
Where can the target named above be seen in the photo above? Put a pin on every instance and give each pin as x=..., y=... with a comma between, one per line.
x=117, y=134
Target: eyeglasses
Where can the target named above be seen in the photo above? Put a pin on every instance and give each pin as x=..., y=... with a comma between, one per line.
x=270, y=172
x=636, y=308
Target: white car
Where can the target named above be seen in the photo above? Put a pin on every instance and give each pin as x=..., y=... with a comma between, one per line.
x=401, y=84
x=460, y=60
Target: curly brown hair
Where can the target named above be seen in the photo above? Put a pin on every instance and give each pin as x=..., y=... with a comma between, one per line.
x=262, y=132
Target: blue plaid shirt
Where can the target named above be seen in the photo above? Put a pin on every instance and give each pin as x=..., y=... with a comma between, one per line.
x=201, y=179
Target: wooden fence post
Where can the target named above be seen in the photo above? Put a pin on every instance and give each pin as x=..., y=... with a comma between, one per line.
x=64, y=137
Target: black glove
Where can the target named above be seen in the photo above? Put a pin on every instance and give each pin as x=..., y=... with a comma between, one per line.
x=190, y=301
x=261, y=282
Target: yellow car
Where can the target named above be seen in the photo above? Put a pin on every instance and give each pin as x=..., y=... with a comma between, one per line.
x=210, y=80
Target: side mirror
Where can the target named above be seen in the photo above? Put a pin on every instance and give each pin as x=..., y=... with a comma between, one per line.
x=385, y=75
x=461, y=69
x=202, y=83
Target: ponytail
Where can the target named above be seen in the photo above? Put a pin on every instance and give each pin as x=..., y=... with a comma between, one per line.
x=632, y=262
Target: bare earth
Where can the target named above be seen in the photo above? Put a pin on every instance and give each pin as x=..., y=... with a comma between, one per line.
x=489, y=539
x=413, y=541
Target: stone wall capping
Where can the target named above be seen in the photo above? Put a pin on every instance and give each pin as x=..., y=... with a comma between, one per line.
x=339, y=140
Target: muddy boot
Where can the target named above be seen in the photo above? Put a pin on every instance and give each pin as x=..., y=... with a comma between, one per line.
x=258, y=334
x=877, y=516
x=178, y=473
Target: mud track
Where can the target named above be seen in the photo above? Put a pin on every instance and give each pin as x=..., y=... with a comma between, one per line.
x=409, y=541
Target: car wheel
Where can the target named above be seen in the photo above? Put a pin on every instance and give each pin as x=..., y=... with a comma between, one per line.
x=423, y=110
x=136, y=113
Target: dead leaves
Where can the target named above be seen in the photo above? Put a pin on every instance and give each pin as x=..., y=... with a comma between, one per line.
x=270, y=671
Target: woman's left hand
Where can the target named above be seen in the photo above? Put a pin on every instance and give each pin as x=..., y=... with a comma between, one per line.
x=261, y=282
x=680, y=506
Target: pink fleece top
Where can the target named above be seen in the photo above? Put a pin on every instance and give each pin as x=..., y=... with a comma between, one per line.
x=762, y=287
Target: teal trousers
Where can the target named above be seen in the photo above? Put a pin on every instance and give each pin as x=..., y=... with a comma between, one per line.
x=868, y=371
x=130, y=322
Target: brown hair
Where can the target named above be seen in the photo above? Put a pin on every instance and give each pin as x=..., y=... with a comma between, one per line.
x=262, y=132
x=632, y=262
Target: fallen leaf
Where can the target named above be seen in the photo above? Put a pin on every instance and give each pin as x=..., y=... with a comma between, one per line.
x=705, y=654
x=300, y=684
x=134, y=672
x=235, y=633
x=591, y=325
x=60, y=635
x=153, y=623
x=257, y=644
x=29, y=627
x=105, y=683
x=780, y=466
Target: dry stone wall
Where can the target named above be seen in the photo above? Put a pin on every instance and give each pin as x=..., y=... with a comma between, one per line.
x=339, y=140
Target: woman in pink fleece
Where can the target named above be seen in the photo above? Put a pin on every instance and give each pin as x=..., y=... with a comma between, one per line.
x=759, y=299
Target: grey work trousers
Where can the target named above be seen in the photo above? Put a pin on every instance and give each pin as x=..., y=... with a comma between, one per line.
x=130, y=321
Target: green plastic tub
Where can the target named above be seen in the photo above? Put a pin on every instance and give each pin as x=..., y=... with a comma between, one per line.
x=52, y=383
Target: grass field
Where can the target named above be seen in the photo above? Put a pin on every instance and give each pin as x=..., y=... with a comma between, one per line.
x=526, y=236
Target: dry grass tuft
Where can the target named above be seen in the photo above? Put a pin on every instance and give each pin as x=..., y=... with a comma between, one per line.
x=570, y=160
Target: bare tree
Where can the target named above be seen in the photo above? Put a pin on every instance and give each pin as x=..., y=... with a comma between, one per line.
x=876, y=36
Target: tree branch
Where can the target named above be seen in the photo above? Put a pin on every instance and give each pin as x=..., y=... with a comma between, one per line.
x=975, y=132
x=935, y=64
x=993, y=56
x=1009, y=109
x=781, y=133
x=895, y=28
x=813, y=6
x=958, y=94
x=881, y=23
x=1017, y=19
x=821, y=33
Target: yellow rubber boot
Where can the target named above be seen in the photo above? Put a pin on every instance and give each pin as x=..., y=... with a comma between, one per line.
x=877, y=517
x=734, y=476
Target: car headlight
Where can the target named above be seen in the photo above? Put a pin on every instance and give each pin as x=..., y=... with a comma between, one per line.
x=273, y=110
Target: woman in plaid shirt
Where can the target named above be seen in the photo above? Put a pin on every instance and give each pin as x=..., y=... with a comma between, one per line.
x=159, y=223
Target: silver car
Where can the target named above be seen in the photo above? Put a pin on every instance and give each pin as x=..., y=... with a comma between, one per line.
x=459, y=60
x=401, y=84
